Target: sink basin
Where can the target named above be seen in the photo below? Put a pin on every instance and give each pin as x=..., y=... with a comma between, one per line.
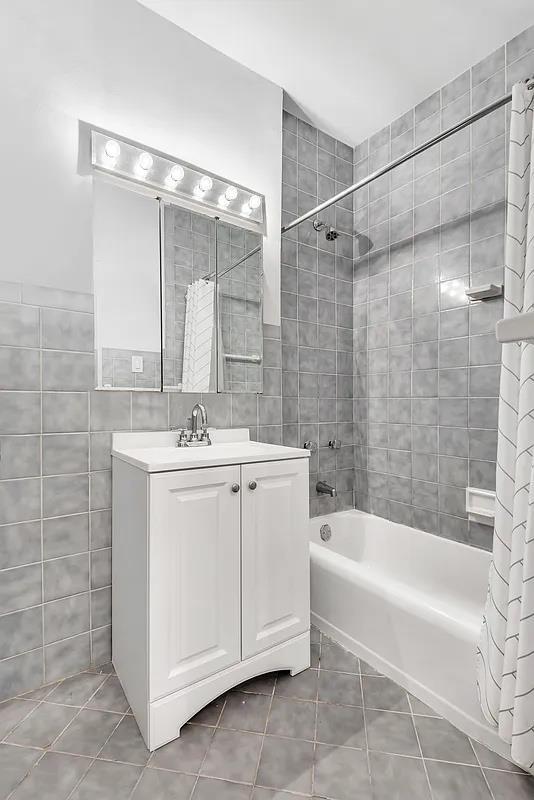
x=157, y=452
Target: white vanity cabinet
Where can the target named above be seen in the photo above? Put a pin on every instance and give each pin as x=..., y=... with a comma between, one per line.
x=210, y=572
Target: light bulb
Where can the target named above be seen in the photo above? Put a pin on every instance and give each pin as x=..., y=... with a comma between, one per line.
x=112, y=149
x=254, y=201
x=176, y=174
x=231, y=193
x=198, y=191
x=145, y=162
x=223, y=201
x=245, y=209
x=205, y=183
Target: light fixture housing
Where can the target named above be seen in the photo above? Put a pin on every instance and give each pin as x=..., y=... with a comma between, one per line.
x=173, y=178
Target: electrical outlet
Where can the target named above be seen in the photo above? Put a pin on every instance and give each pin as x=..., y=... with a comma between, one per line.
x=137, y=363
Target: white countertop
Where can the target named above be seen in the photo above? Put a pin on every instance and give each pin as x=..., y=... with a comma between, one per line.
x=156, y=452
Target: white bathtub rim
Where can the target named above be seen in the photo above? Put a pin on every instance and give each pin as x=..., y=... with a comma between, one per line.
x=472, y=727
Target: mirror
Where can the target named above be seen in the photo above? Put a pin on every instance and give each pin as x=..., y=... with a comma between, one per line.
x=239, y=280
x=205, y=275
x=126, y=288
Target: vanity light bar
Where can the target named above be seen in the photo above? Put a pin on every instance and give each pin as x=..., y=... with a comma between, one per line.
x=125, y=159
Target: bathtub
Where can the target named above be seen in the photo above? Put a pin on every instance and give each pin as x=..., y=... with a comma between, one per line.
x=409, y=603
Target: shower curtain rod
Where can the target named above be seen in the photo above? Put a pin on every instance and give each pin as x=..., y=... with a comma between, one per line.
x=402, y=159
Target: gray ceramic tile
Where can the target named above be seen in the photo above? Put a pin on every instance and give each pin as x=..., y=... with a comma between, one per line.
x=20, y=412
x=77, y=690
x=12, y=712
x=441, y=740
x=334, y=657
x=87, y=733
x=19, y=544
x=391, y=732
x=19, y=325
x=126, y=744
x=286, y=764
x=341, y=773
x=398, y=777
x=110, y=411
x=66, y=617
x=158, y=784
x=450, y=781
x=67, y=330
x=108, y=780
x=64, y=495
x=20, y=631
x=42, y=726
x=245, y=711
x=65, y=453
x=100, y=568
x=21, y=673
x=340, y=725
x=302, y=686
x=186, y=753
x=15, y=762
x=19, y=368
x=65, y=411
x=343, y=689
x=65, y=576
x=504, y=785
x=67, y=657
x=292, y=718
x=65, y=535
x=382, y=693
x=109, y=697
x=213, y=789
x=67, y=371
x=54, y=777
x=232, y=755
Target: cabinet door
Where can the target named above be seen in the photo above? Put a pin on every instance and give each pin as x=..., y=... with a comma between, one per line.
x=195, y=616
x=275, y=553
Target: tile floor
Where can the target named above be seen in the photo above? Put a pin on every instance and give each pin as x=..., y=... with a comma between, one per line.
x=339, y=731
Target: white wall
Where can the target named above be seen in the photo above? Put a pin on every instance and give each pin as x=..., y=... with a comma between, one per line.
x=126, y=269
x=119, y=66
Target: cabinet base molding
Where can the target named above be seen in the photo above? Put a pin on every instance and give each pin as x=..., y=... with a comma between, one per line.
x=167, y=715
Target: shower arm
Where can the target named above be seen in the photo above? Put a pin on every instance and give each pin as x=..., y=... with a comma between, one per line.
x=402, y=159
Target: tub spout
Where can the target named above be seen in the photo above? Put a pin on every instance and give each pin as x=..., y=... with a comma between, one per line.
x=325, y=488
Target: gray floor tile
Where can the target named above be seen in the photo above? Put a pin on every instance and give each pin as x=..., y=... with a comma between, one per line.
x=302, y=686
x=421, y=709
x=87, y=733
x=158, y=784
x=398, y=778
x=107, y=781
x=315, y=635
x=340, y=725
x=54, y=778
x=286, y=764
x=15, y=763
x=439, y=739
x=40, y=693
x=211, y=713
x=259, y=793
x=341, y=774
x=42, y=726
x=233, y=756
x=334, y=657
x=337, y=687
x=12, y=712
x=315, y=651
x=293, y=718
x=455, y=781
x=213, y=789
x=490, y=759
x=77, y=690
x=384, y=694
x=390, y=732
x=263, y=684
x=110, y=696
x=126, y=744
x=245, y=711
x=367, y=669
x=186, y=753
x=506, y=785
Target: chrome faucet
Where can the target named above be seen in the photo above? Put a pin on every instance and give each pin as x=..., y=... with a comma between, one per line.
x=193, y=438
x=324, y=488
x=198, y=408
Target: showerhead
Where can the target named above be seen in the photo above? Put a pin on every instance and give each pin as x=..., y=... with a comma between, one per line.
x=330, y=231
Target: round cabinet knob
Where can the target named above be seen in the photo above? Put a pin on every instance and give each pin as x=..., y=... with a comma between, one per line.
x=252, y=485
x=235, y=487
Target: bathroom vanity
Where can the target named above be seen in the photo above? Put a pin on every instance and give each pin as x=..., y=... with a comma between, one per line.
x=210, y=570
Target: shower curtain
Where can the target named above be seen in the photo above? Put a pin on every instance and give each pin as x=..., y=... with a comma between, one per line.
x=506, y=652
x=199, y=372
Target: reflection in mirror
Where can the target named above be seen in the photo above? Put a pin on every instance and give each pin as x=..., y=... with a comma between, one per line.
x=127, y=288
x=239, y=278
x=212, y=325
x=189, y=335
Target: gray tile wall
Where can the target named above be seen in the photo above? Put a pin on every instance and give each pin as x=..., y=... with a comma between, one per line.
x=426, y=363
x=117, y=369
x=317, y=310
x=55, y=478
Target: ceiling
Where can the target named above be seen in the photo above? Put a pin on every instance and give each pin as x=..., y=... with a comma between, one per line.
x=352, y=65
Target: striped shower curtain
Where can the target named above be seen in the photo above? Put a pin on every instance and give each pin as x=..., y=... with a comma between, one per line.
x=199, y=365
x=506, y=652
